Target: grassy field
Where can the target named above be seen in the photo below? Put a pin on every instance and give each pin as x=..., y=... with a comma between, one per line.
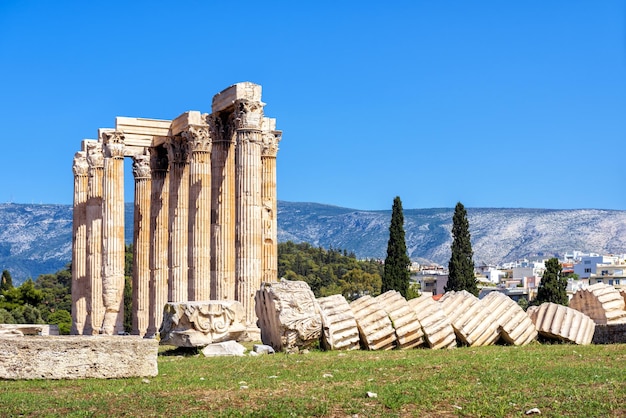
x=497, y=381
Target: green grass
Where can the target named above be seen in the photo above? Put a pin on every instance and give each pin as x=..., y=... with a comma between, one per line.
x=497, y=381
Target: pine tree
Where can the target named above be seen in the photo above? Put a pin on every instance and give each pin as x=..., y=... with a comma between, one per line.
x=396, y=273
x=461, y=266
x=553, y=287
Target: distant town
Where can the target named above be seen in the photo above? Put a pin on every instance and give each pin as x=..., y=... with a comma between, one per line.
x=520, y=279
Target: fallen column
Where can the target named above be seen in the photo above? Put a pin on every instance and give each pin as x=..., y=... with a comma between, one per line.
x=562, y=323
x=470, y=319
x=374, y=325
x=407, y=327
x=437, y=328
x=515, y=326
x=601, y=302
x=340, y=331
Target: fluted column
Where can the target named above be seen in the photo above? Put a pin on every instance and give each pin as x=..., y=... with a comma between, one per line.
x=141, y=245
x=158, y=226
x=199, y=141
x=269, y=252
x=113, y=233
x=178, y=218
x=79, y=244
x=222, y=209
x=248, y=229
x=95, y=307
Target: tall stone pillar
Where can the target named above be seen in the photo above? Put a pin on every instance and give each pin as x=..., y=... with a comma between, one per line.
x=199, y=142
x=79, y=244
x=269, y=253
x=159, y=211
x=141, y=245
x=248, y=230
x=178, y=218
x=113, y=233
x=222, y=207
x=95, y=306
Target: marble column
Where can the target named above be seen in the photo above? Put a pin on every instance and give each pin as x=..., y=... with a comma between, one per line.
x=79, y=244
x=95, y=307
x=199, y=259
x=177, y=149
x=159, y=271
x=269, y=252
x=141, y=245
x=113, y=233
x=222, y=207
x=248, y=204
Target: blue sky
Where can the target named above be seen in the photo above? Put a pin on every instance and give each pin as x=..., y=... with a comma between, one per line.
x=491, y=103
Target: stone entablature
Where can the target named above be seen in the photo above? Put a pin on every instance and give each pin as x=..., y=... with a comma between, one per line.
x=205, y=212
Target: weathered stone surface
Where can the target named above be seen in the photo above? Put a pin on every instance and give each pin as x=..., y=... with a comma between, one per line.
x=471, y=320
x=407, y=327
x=225, y=348
x=289, y=315
x=436, y=326
x=77, y=357
x=196, y=324
x=515, y=326
x=375, y=328
x=263, y=349
x=29, y=329
x=601, y=302
x=562, y=323
x=340, y=331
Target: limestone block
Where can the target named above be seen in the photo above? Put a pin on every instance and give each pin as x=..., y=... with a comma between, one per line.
x=407, y=327
x=77, y=357
x=240, y=91
x=29, y=329
x=224, y=348
x=375, y=328
x=515, y=326
x=601, y=302
x=339, y=329
x=197, y=324
x=289, y=315
x=563, y=323
x=472, y=322
x=437, y=328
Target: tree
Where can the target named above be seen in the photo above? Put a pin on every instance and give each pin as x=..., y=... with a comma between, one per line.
x=461, y=266
x=6, y=281
x=396, y=273
x=553, y=286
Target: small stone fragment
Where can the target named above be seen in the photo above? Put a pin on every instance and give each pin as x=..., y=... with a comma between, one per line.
x=263, y=349
x=372, y=395
x=533, y=411
x=226, y=348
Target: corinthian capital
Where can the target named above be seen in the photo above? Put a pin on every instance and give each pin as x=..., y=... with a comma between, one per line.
x=141, y=166
x=177, y=150
x=113, y=142
x=80, y=166
x=95, y=155
x=270, y=143
x=248, y=114
x=198, y=138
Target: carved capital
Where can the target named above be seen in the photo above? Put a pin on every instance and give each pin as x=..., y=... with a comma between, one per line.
x=158, y=159
x=80, y=166
x=198, y=138
x=270, y=143
x=177, y=150
x=113, y=142
x=141, y=166
x=248, y=114
x=95, y=155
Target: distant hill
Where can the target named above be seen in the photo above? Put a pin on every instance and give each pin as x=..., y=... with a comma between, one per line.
x=36, y=239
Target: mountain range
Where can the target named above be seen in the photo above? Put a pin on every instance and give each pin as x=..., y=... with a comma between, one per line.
x=37, y=239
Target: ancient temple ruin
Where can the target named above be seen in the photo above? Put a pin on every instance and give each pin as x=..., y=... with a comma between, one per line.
x=204, y=216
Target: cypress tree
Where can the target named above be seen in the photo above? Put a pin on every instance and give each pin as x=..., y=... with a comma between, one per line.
x=461, y=266
x=396, y=273
x=553, y=287
x=6, y=281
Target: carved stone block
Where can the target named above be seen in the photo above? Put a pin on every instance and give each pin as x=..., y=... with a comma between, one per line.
x=601, y=302
x=471, y=320
x=515, y=326
x=77, y=357
x=562, y=323
x=437, y=328
x=374, y=325
x=197, y=324
x=408, y=329
x=289, y=316
x=340, y=331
